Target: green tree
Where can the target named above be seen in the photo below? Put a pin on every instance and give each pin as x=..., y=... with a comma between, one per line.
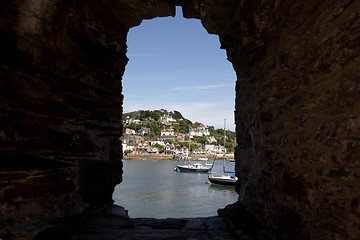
x=177, y=115
x=169, y=141
x=201, y=140
x=155, y=129
x=159, y=147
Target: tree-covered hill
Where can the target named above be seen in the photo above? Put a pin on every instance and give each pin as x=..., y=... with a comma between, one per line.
x=150, y=119
x=154, y=114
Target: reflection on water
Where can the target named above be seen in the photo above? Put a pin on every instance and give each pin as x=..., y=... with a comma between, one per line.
x=154, y=189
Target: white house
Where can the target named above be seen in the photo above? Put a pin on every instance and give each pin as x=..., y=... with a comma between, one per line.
x=211, y=139
x=152, y=142
x=129, y=131
x=129, y=121
x=166, y=118
x=182, y=151
x=153, y=150
x=128, y=146
x=162, y=143
x=199, y=131
x=198, y=151
x=167, y=132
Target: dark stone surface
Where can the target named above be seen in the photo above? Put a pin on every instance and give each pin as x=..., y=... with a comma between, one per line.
x=115, y=224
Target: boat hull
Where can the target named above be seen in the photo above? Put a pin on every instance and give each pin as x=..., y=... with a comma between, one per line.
x=222, y=180
x=199, y=170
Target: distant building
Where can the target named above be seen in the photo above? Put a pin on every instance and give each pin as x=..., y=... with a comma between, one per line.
x=199, y=131
x=166, y=118
x=143, y=148
x=129, y=131
x=153, y=151
x=129, y=121
x=167, y=129
x=199, y=151
x=133, y=138
x=128, y=146
x=152, y=142
x=169, y=149
x=179, y=138
x=211, y=139
x=144, y=131
x=167, y=132
x=184, y=151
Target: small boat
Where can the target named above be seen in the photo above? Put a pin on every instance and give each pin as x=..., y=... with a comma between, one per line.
x=202, y=159
x=224, y=179
x=195, y=167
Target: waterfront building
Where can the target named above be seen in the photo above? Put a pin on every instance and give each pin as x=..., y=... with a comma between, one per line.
x=143, y=147
x=153, y=151
x=169, y=149
x=184, y=151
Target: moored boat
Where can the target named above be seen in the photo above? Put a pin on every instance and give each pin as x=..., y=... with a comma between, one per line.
x=195, y=167
x=224, y=179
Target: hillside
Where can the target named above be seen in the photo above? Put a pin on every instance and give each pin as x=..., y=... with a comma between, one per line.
x=149, y=124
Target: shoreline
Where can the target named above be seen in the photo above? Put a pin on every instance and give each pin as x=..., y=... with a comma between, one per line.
x=170, y=157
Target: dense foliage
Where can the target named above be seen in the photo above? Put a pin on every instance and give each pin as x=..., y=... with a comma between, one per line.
x=153, y=114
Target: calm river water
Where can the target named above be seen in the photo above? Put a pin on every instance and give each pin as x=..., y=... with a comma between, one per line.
x=153, y=189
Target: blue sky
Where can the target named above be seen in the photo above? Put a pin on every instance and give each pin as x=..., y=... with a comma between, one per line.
x=174, y=64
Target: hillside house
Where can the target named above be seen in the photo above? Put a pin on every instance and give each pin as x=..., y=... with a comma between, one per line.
x=167, y=130
x=153, y=151
x=133, y=138
x=184, y=151
x=169, y=149
x=166, y=118
x=130, y=131
x=152, y=142
x=199, y=131
x=144, y=131
x=199, y=151
x=129, y=121
x=211, y=139
x=143, y=148
x=128, y=146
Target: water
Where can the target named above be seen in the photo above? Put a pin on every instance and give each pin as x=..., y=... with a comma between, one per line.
x=153, y=189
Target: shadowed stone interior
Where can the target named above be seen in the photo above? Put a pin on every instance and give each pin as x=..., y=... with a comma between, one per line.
x=297, y=111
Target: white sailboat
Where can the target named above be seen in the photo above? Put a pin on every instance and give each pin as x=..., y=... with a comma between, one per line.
x=224, y=179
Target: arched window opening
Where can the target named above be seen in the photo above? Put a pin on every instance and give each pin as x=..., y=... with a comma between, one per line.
x=175, y=65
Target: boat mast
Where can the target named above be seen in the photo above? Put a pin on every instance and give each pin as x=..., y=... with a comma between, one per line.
x=224, y=141
x=189, y=153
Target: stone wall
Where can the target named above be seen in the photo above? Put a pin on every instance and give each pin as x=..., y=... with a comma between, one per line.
x=297, y=111
x=297, y=108
x=61, y=64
